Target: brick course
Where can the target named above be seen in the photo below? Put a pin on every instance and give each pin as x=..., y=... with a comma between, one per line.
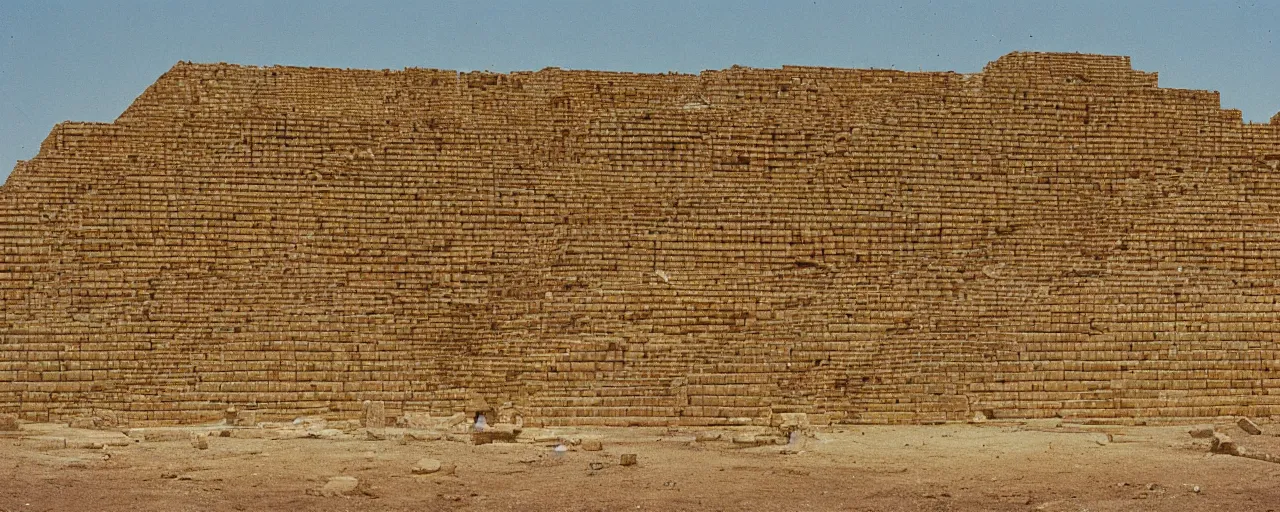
x=1053, y=236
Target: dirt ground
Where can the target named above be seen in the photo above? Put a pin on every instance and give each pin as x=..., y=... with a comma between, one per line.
x=1014, y=466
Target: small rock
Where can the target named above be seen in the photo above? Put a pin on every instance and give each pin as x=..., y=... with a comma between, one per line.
x=1249, y=426
x=592, y=445
x=596, y=466
x=200, y=442
x=1196, y=489
x=1201, y=431
x=168, y=475
x=373, y=435
x=1223, y=444
x=426, y=467
x=339, y=486
x=978, y=417
x=628, y=459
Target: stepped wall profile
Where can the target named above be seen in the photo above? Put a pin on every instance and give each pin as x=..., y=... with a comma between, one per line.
x=1056, y=235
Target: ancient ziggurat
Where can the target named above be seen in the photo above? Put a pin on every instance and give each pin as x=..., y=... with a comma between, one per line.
x=1053, y=236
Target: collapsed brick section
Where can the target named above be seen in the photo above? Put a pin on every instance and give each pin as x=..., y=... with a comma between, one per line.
x=1053, y=236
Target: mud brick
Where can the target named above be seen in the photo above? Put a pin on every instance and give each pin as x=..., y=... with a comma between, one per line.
x=1055, y=235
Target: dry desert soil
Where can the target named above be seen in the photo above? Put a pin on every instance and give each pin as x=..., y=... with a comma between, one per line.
x=1039, y=465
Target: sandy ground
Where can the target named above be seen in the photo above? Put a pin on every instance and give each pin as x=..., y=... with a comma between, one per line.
x=1017, y=466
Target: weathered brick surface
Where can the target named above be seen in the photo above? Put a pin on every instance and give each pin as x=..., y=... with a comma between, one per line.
x=1053, y=236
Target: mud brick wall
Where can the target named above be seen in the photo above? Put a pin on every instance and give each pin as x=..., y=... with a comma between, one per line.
x=1053, y=236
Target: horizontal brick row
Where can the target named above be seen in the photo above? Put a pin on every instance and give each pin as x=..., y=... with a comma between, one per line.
x=1053, y=236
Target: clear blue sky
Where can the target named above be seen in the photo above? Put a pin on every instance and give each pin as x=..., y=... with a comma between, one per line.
x=86, y=60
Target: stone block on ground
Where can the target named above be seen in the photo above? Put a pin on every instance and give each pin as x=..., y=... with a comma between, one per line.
x=83, y=422
x=246, y=418
x=1201, y=431
x=592, y=445
x=424, y=435
x=340, y=486
x=418, y=420
x=1222, y=443
x=706, y=436
x=628, y=459
x=375, y=414
x=794, y=422
x=8, y=422
x=493, y=436
x=426, y=466
x=1249, y=426
x=452, y=421
x=159, y=435
x=44, y=442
